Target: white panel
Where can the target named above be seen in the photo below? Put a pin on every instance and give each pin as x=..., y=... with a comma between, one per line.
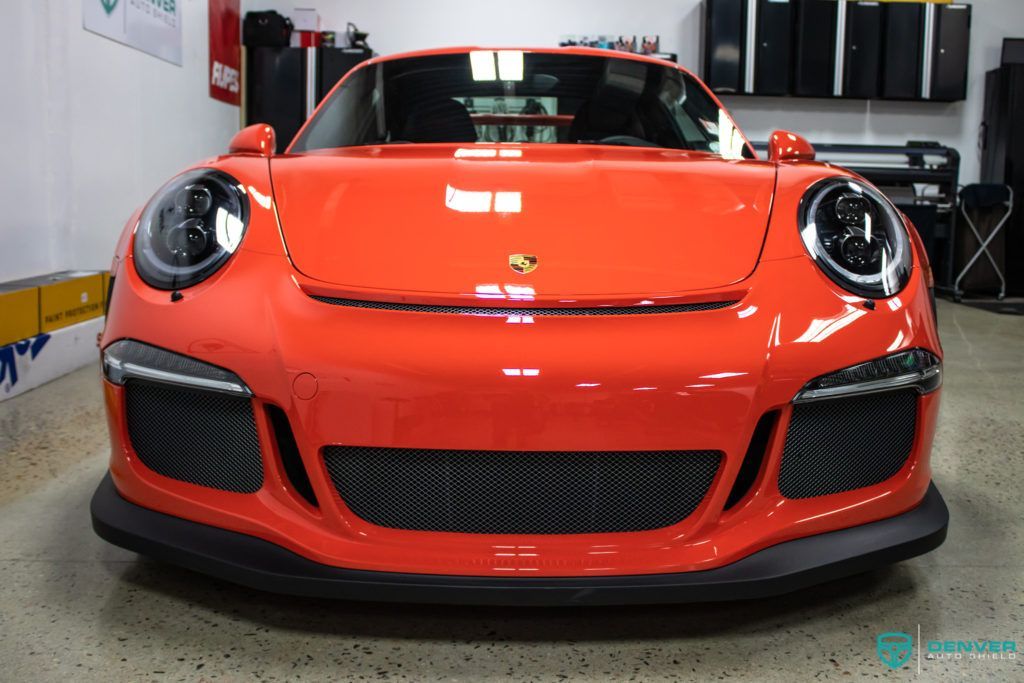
x=311, y=78
x=837, y=89
x=153, y=26
x=751, y=62
x=929, y=44
x=92, y=129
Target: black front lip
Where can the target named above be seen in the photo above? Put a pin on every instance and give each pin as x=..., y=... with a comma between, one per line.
x=262, y=565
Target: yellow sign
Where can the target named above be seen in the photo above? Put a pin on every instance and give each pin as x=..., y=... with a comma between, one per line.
x=19, y=312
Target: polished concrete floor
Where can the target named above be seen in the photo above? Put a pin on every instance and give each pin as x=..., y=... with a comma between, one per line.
x=75, y=608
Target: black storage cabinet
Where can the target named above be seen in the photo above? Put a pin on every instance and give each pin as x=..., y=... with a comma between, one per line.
x=332, y=64
x=773, y=54
x=949, y=52
x=725, y=45
x=275, y=84
x=903, y=38
x=863, y=50
x=815, y=58
x=275, y=90
x=1002, y=158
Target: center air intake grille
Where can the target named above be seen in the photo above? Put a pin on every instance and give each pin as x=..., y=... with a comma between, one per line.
x=521, y=492
x=201, y=437
x=843, y=444
x=532, y=311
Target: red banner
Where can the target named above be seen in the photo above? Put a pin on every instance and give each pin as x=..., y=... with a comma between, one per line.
x=225, y=51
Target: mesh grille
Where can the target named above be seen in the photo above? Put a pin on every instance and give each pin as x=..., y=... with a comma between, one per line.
x=847, y=443
x=506, y=311
x=501, y=492
x=200, y=437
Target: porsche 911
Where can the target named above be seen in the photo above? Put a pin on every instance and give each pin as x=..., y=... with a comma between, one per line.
x=521, y=326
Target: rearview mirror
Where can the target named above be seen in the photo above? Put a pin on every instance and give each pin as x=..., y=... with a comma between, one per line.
x=258, y=138
x=786, y=146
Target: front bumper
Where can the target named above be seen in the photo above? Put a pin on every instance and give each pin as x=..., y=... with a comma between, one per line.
x=781, y=568
x=396, y=380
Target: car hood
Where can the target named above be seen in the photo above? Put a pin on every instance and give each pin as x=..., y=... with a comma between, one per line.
x=444, y=220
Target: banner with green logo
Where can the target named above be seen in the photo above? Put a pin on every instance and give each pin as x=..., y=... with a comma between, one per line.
x=153, y=26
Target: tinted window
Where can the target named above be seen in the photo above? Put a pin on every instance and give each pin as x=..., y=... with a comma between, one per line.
x=511, y=96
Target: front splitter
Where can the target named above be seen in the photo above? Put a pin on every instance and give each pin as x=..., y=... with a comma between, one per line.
x=256, y=563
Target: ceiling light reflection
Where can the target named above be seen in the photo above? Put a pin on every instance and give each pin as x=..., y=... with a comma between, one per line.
x=476, y=201
x=508, y=202
x=510, y=65
x=466, y=201
x=821, y=329
x=520, y=372
x=481, y=62
x=747, y=312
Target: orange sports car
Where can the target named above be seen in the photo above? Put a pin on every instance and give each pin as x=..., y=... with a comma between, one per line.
x=521, y=327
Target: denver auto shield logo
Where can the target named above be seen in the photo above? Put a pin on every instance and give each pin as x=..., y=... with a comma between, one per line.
x=522, y=263
x=894, y=649
x=109, y=6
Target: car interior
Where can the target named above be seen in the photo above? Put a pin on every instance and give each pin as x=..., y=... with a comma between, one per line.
x=568, y=99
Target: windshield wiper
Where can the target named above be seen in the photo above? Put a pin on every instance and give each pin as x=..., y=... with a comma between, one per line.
x=619, y=140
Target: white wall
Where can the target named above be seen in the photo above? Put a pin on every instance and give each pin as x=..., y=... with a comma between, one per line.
x=400, y=25
x=91, y=128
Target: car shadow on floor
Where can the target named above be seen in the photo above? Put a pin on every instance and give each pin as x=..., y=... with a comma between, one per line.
x=893, y=585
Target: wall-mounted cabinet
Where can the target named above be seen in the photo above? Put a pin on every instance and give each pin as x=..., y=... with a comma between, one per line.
x=949, y=52
x=814, y=69
x=903, y=53
x=284, y=84
x=725, y=46
x=862, y=53
x=837, y=48
x=774, y=48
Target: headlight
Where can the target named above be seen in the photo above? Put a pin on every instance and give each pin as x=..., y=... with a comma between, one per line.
x=915, y=368
x=190, y=228
x=856, y=237
x=127, y=359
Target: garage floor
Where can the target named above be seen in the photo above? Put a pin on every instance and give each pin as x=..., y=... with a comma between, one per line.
x=75, y=608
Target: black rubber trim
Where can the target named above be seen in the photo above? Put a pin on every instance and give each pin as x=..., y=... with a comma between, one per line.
x=531, y=311
x=288, y=452
x=262, y=565
x=753, y=460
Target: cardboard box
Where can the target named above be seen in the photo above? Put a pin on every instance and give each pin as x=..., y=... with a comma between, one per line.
x=19, y=312
x=66, y=298
x=31, y=362
x=304, y=19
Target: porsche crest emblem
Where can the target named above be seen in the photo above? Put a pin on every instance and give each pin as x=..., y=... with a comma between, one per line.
x=522, y=263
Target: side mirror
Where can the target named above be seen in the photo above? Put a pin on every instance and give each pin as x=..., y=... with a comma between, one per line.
x=786, y=146
x=255, y=139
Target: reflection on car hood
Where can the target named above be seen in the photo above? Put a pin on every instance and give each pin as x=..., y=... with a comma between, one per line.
x=554, y=221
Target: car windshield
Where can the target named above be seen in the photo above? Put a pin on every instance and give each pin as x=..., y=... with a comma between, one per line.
x=510, y=96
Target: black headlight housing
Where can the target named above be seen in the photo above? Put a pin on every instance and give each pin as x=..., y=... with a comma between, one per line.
x=856, y=236
x=190, y=229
